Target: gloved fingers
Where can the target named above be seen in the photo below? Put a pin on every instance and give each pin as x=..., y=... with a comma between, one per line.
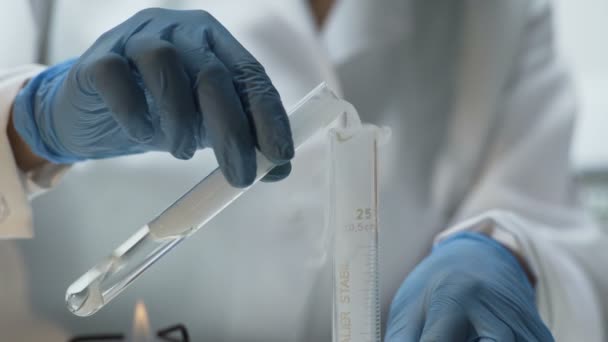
x=278, y=173
x=446, y=321
x=532, y=326
x=112, y=78
x=225, y=122
x=260, y=99
x=508, y=321
x=405, y=321
x=403, y=332
x=489, y=327
x=164, y=76
x=263, y=105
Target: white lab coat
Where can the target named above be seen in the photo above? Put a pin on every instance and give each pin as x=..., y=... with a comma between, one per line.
x=479, y=143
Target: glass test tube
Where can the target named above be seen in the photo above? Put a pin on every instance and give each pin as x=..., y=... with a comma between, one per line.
x=353, y=217
x=192, y=211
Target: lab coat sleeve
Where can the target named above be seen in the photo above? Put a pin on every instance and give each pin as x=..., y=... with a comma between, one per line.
x=16, y=187
x=524, y=196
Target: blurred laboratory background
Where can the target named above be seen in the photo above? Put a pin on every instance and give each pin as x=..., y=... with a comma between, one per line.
x=582, y=27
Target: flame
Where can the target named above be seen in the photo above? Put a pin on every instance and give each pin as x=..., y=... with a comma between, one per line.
x=141, y=324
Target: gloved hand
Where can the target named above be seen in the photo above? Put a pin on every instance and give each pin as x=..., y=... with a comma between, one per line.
x=470, y=288
x=163, y=80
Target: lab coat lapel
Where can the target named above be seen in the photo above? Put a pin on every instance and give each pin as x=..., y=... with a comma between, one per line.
x=491, y=35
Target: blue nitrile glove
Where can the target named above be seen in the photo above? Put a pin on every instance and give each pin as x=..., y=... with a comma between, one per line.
x=470, y=288
x=163, y=80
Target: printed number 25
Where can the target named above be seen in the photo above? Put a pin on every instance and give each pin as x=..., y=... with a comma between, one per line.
x=364, y=214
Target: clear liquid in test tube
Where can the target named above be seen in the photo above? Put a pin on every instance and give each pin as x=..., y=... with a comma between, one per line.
x=93, y=290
